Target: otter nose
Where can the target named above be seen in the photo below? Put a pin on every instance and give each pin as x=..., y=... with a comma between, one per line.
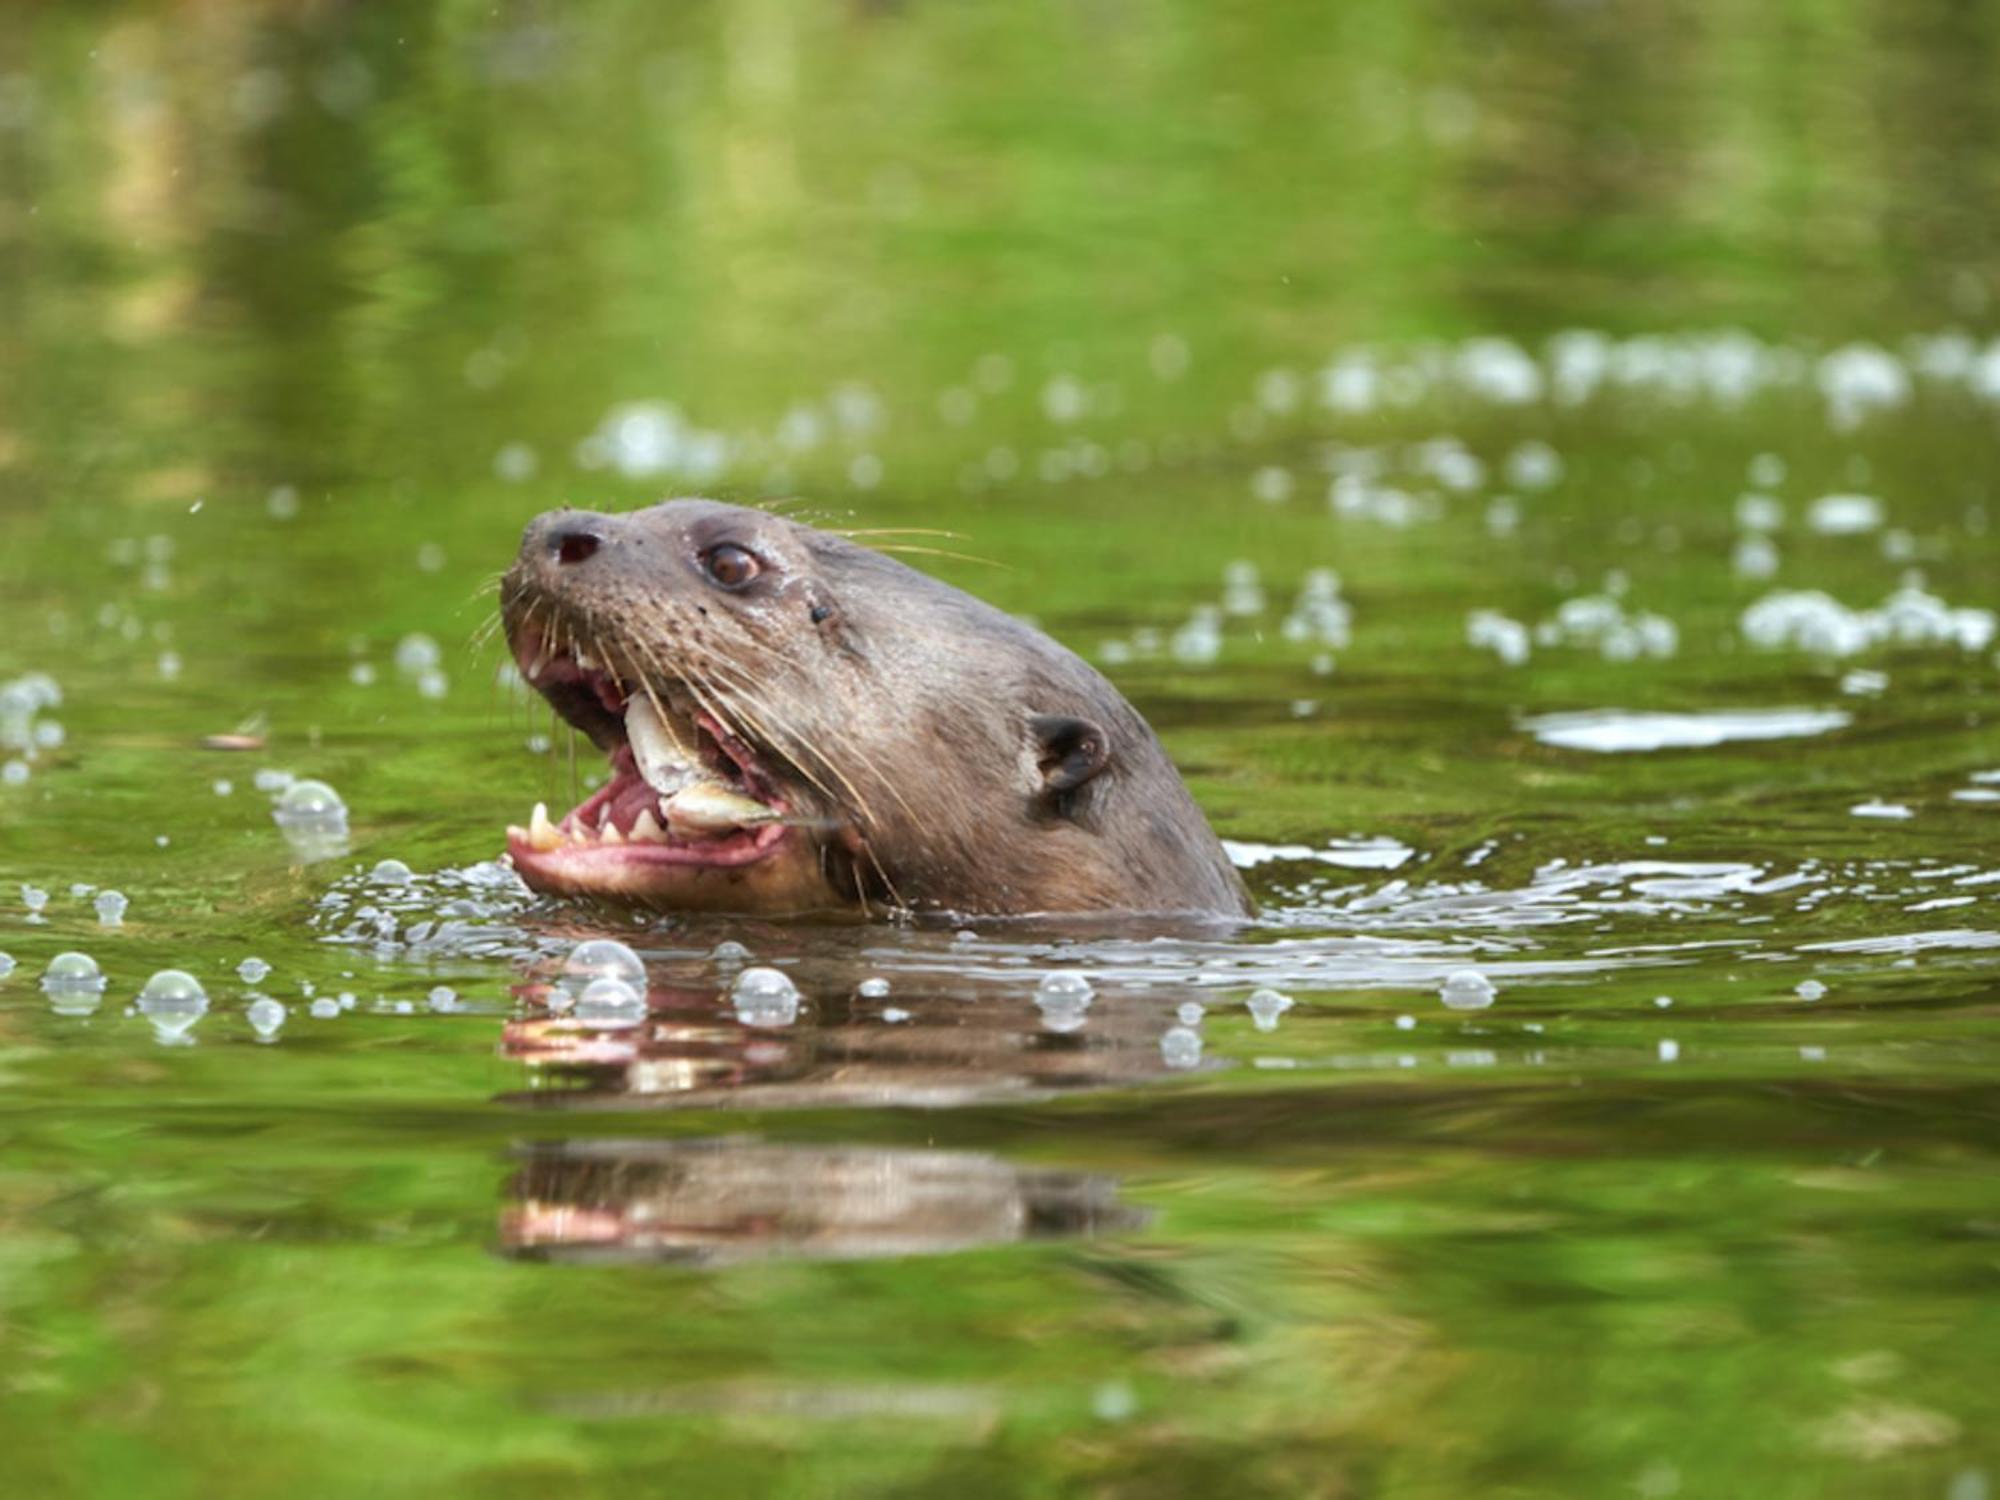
x=567, y=537
x=575, y=544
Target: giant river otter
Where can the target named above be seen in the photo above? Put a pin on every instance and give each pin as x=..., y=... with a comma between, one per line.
x=796, y=722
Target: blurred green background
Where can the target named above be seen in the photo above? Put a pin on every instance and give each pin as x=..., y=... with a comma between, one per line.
x=306, y=308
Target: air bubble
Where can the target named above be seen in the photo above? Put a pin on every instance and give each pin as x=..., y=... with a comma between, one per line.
x=265, y=1016
x=1266, y=1006
x=610, y=1001
x=1180, y=1048
x=173, y=1000
x=765, y=997
x=604, y=958
x=1466, y=989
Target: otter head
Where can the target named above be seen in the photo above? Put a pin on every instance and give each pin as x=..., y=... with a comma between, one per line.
x=796, y=722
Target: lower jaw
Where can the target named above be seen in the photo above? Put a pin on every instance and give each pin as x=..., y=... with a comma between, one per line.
x=775, y=873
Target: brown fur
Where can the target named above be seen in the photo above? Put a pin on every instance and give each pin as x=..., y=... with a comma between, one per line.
x=956, y=758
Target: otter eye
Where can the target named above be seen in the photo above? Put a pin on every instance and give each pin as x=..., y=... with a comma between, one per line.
x=730, y=565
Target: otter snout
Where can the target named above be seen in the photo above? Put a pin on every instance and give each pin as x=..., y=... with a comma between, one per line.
x=560, y=540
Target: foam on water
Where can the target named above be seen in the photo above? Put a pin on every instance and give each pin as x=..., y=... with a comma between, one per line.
x=1609, y=731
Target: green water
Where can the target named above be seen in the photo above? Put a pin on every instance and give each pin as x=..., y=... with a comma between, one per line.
x=307, y=309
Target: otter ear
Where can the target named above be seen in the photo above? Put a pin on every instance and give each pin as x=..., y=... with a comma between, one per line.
x=1069, y=751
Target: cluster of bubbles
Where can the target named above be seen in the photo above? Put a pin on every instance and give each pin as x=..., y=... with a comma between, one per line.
x=1725, y=367
x=1594, y=622
x=25, y=732
x=1402, y=486
x=458, y=913
x=1319, y=617
x=603, y=984
x=110, y=906
x=655, y=440
x=173, y=1000
x=420, y=661
x=1813, y=621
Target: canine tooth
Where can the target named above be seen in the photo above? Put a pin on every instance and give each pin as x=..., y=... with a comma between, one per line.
x=541, y=832
x=647, y=830
x=610, y=834
x=707, y=807
x=583, y=660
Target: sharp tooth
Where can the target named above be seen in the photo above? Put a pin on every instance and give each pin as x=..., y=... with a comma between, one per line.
x=515, y=832
x=583, y=659
x=610, y=834
x=646, y=829
x=541, y=832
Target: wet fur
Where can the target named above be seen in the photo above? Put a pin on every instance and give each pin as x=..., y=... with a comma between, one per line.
x=961, y=759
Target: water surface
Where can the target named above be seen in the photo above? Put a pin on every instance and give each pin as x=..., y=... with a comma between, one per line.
x=1532, y=464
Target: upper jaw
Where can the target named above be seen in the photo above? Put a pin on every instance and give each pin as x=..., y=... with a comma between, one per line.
x=685, y=794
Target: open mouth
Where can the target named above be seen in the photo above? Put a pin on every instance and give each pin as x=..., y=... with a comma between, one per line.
x=684, y=792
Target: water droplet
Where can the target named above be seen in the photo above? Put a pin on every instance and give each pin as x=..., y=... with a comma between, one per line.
x=872, y=989
x=729, y=951
x=324, y=1009
x=252, y=970
x=391, y=872
x=7, y=964
x=1190, y=1012
x=1809, y=989
x=443, y=999
x=265, y=1016
x=34, y=898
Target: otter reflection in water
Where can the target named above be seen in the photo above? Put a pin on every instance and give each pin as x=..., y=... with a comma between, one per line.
x=947, y=1048
x=795, y=722
x=728, y=1199
x=716, y=1202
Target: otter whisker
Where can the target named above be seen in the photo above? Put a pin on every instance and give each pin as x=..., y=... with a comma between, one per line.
x=910, y=551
